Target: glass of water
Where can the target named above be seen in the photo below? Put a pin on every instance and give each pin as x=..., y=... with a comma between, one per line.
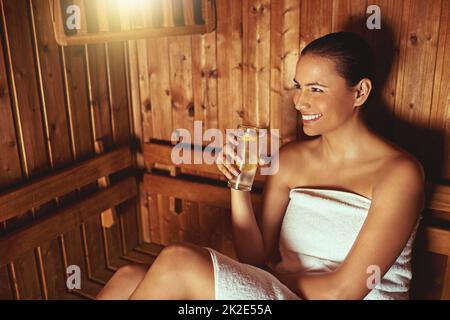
x=247, y=151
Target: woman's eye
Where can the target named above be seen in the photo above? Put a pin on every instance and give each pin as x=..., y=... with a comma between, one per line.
x=297, y=86
x=316, y=89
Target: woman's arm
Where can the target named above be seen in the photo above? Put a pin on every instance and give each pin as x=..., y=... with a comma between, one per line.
x=398, y=199
x=255, y=234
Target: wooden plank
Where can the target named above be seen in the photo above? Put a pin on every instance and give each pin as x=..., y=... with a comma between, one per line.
x=256, y=62
x=347, y=11
x=229, y=64
x=167, y=10
x=188, y=12
x=193, y=191
x=5, y=288
x=127, y=229
x=439, y=197
x=74, y=61
x=285, y=37
x=385, y=43
x=418, y=50
x=189, y=222
x=57, y=184
x=161, y=154
x=168, y=222
x=16, y=243
x=9, y=161
x=437, y=240
x=161, y=96
x=152, y=207
x=204, y=80
x=32, y=136
x=26, y=277
x=440, y=107
x=118, y=94
x=139, y=94
x=180, y=62
x=310, y=30
x=51, y=85
x=98, y=94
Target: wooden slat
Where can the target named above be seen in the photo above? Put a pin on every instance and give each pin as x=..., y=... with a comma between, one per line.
x=120, y=105
x=440, y=108
x=418, y=48
x=193, y=191
x=142, y=129
x=161, y=154
x=161, y=96
x=345, y=11
x=285, y=32
x=188, y=12
x=51, y=85
x=180, y=62
x=153, y=218
x=229, y=64
x=32, y=136
x=437, y=240
x=13, y=245
x=58, y=184
x=439, y=197
x=384, y=43
x=9, y=161
x=256, y=62
x=132, y=35
x=204, y=80
x=5, y=288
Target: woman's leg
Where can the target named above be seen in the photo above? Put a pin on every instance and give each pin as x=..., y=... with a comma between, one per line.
x=181, y=271
x=123, y=283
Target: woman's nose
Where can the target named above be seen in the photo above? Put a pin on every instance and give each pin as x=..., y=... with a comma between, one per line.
x=299, y=102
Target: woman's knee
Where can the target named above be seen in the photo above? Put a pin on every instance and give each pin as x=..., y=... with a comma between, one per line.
x=182, y=256
x=131, y=272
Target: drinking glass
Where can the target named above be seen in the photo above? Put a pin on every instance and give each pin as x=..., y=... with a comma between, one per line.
x=247, y=151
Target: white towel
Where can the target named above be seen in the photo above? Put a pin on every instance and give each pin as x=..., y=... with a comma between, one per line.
x=319, y=229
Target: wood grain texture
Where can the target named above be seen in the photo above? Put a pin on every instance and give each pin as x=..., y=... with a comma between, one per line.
x=256, y=62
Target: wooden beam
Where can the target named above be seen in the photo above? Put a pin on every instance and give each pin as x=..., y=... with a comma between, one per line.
x=437, y=240
x=15, y=244
x=439, y=197
x=161, y=154
x=33, y=194
x=193, y=191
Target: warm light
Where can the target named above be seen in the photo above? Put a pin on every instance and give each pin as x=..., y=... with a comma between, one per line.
x=131, y=4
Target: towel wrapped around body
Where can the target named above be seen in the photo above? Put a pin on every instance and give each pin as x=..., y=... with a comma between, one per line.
x=318, y=230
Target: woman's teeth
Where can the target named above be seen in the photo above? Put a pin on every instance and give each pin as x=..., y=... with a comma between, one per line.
x=311, y=117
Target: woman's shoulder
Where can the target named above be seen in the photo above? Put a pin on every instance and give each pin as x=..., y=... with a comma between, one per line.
x=398, y=162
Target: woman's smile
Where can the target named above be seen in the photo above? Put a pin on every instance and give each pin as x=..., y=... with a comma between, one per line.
x=310, y=118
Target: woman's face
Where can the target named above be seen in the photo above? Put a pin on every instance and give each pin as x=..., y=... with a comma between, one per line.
x=319, y=90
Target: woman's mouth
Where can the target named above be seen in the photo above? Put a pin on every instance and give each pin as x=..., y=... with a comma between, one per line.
x=309, y=118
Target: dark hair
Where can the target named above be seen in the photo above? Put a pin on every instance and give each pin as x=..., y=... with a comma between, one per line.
x=350, y=52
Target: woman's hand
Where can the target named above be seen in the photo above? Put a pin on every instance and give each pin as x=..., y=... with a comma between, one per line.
x=227, y=158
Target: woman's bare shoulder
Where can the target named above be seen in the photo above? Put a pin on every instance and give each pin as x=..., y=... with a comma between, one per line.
x=399, y=161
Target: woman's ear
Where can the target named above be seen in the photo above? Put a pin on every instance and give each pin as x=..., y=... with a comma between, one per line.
x=362, y=91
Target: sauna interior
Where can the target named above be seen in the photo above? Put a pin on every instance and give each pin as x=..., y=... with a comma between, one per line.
x=86, y=117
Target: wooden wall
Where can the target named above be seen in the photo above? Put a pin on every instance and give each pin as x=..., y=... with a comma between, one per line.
x=243, y=72
x=60, y=106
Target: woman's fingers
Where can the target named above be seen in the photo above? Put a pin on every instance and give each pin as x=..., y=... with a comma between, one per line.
x=225, y=161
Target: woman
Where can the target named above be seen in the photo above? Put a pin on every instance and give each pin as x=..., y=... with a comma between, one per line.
x=338, y=219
